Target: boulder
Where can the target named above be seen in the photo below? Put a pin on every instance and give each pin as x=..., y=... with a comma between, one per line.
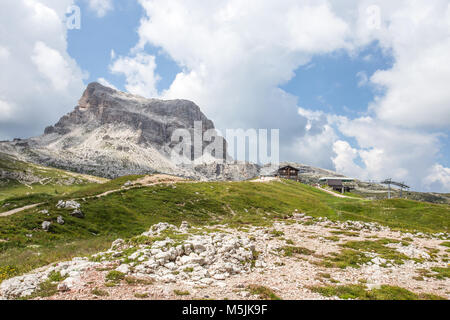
x=70, y=204
x=46, y=225
x=60, y=220
x=77, y=213
x=124, y=268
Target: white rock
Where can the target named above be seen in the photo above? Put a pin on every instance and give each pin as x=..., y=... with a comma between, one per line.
x=124, y=268
x=46, y=225
x=70, y=204
x=60, y=220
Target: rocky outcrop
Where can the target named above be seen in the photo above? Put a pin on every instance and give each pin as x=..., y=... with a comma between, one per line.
x=26, y=285
x=201, y=258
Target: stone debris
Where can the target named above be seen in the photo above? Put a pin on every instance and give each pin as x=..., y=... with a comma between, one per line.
x=70, y=204
x=410, y=251
x=26, y=285
x=200, y=259
x=60, y=220
x=221, y=262
x=128, y=184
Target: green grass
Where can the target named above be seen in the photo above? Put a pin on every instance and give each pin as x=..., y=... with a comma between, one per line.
x=378, y=247
x=345, y=233
x=263, y=293
x=128, y=213
x=446, y=244
x=56, y=277
x=46, y=289
x=115, y=276
x=133, y=281
x=345, y=258
x=181, y=293
x=436, y=272
x=99, y=292
x=361, y=292
x=353, y=254
x=289, y=251
x=53, y=183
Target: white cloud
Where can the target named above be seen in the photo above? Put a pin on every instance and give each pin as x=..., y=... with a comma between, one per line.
x=101, y=7
x=315, y=148
x=236, y=54
x=139, y=72
x=386, y=151
x=6, y=110
x=345, y=158
x=4, y=53
x=417, y=33
x=362, y=78
x=438, y=178
x=106, y=83
x=39, y=82
x=52, y=65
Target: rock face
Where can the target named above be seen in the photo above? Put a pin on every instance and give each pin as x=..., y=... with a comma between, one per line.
x=111, y=134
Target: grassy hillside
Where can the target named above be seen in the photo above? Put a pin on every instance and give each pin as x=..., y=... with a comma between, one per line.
x=23, y=183
x=130, y=212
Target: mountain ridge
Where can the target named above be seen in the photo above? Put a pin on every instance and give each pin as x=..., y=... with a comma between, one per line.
x=112, y=133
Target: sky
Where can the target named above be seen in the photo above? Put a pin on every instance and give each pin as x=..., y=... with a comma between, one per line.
x=361, y=87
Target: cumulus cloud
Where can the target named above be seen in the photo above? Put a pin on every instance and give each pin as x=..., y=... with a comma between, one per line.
x=6, y=110
x=415, y=89
x=235, y=55
x=438, y=177
x=139, y=72
x=106, y=83
x=101, y=7
x=39, y=81
x=389, y=151
x=401, y=138
x=52, y=65
x=345, y=159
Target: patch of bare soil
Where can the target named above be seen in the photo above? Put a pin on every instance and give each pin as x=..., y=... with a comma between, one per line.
x=158, y=179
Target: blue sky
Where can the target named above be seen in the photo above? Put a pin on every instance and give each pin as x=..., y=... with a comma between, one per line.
x=328, y=83
x=91, y=45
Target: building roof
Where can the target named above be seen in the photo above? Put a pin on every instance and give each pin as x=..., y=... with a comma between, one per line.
x=342, y=179
x=290, y=167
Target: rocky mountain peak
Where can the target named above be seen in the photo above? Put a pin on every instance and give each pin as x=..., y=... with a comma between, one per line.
x=156, y=119
x=112, y=133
